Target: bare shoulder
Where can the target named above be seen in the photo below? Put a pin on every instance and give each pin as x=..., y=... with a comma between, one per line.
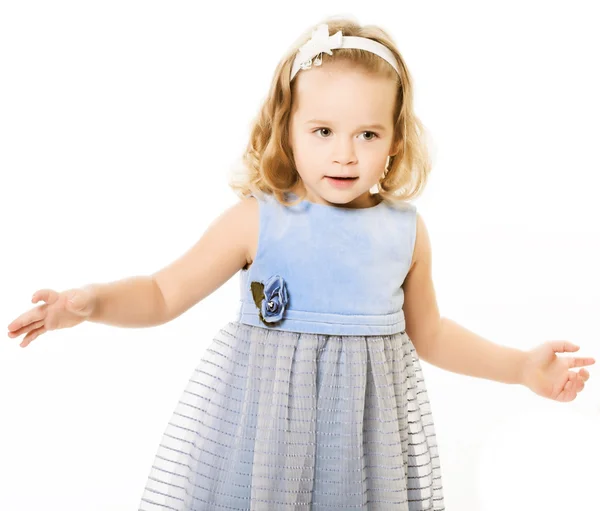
x=422, y=246
x=248, y=212
x=242, y=221
x=222, y=250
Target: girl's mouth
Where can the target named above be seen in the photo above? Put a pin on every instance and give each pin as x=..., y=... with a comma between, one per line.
x=341, y=182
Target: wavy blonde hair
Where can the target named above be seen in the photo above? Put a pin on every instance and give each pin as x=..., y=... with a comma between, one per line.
x=268, y=163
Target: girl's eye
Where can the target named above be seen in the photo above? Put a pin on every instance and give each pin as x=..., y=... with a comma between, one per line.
x=372, y=133
x=322, y=129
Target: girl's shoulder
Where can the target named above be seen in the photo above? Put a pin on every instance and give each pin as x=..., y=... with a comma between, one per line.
x=249, y=215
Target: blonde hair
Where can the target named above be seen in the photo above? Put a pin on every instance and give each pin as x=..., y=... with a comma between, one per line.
x=268, y=163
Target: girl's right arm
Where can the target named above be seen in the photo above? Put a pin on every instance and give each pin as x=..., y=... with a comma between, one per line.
x=144, y=301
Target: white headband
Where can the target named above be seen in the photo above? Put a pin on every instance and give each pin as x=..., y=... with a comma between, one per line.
x=321, y=42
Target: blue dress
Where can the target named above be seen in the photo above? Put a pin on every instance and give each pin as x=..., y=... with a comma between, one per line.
x=313, y=397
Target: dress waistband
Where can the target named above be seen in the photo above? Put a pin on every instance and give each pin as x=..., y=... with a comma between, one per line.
x=327, y=323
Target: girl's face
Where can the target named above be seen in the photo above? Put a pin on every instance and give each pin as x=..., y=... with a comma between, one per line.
x=341, y=125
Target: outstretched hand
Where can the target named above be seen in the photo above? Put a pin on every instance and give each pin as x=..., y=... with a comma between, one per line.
x=60, y=310
x=550, y=376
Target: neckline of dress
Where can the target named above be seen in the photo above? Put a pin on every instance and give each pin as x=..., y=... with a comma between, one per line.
x=339, y=208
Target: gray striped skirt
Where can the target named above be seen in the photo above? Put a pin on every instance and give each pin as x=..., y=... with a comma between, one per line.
x=276, y=420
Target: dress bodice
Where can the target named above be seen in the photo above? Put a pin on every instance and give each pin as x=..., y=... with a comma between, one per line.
x=328, y=269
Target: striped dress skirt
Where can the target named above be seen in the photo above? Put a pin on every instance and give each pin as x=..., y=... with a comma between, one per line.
x=278, y=420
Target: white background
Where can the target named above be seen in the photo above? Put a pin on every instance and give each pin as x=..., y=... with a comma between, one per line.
x=119, y=123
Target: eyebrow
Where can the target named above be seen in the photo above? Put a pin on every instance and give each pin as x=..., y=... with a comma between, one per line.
x=366, y=126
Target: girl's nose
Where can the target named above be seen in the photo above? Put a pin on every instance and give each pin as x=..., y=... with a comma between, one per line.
x=344, y=153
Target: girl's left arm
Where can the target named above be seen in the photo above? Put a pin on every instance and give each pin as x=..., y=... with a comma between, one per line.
x=448, y=345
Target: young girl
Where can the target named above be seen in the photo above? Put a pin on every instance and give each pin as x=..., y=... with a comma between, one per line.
x=314, y=397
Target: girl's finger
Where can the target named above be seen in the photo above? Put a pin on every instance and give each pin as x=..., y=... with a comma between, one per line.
x=584, y=374
x=31, y=336
x=44, y=294
x=563, y=346
x=570, y=392
x=580, y=362
x=29, y=317
x=26, y=328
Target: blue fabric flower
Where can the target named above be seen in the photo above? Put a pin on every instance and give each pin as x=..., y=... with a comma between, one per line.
x=271, y=298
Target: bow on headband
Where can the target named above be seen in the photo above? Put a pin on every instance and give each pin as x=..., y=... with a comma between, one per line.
x=320, y=42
